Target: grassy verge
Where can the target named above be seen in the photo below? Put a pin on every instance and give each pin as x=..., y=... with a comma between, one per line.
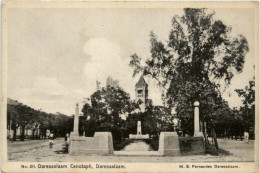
x=153, y=143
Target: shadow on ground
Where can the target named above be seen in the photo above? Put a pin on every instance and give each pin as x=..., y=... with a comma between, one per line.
x=64, y=149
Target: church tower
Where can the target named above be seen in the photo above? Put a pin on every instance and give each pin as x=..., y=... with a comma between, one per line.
x=141, y=93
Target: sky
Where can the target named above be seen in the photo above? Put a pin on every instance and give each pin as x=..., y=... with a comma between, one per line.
x=56, y=55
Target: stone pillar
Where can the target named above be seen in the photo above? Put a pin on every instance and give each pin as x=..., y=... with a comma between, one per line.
x=139, y=129
x=197, y=131
x=76, y=122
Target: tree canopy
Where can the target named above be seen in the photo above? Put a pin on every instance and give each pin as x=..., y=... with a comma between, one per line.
x=25, y=116
x=248, y=109
x=191, y=65
x=107, y=110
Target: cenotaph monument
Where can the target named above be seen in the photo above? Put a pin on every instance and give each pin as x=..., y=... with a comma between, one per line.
x=139, y=134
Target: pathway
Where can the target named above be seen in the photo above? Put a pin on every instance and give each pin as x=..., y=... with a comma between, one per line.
x=137, y=148
x=137, y=145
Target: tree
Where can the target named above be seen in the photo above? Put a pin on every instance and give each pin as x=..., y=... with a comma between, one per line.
x=248, y=109
x=157, y=119
x=44, y=120
x=105, y=111
x=61, y=124
x=198, y=56
x=12, y=114
x=24, y=116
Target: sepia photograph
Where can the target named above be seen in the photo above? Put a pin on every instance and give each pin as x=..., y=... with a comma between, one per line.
x=130, y=86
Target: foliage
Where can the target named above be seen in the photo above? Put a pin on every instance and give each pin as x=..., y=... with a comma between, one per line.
x=247, y=111
x=26, y=117
x=21, y=115
x=198, y=56
x=105, y=112
x=110, y=109
x=154, y=120
x=61, y=124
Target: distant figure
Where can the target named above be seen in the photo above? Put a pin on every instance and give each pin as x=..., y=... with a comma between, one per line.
x=246, y=137
x=51, y=137
x=67, y=137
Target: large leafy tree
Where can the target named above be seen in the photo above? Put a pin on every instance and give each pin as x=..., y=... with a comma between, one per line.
x=105, y=111
x=157, y=119
x=21, y=115
x=61, y=124
x=199, y=56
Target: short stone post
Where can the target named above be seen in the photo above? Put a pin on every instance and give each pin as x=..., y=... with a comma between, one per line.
x=197, y=131
x=76, y=122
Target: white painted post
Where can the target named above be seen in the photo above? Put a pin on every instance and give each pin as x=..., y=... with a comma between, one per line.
x=76, y=122
x=76, y=119
x=197, y=120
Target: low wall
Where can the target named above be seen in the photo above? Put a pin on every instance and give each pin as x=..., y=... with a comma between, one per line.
x=192, y=145
x=100, y=144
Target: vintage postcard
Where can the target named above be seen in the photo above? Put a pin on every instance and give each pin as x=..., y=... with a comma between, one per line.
x=130, y=87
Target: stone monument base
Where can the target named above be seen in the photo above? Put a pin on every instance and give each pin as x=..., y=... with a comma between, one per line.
x=198, y=134
x=131, y=136
x=100, y=144
x=74, y=134
x=169, y=144
x=192, y=145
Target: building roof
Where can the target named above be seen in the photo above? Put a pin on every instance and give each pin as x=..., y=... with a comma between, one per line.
x=12, y=102
x=141, y=82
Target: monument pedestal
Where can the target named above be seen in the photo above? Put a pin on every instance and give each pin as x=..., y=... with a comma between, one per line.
x=100, y=144
x=169, y=144
x=74, y=134
x=198, y=134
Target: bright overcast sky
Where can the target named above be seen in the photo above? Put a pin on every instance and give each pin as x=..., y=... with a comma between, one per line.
x=55, y=56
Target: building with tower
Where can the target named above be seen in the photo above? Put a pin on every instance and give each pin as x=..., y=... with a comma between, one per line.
x=141, y=94
x=141, y=97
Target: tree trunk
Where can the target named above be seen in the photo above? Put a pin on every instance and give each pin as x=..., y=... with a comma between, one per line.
x=214, y=138
x=14, y=135
x=205, y=133
x=33, y=133
x=37, y=134
x=45, y=131
x=22, y=135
